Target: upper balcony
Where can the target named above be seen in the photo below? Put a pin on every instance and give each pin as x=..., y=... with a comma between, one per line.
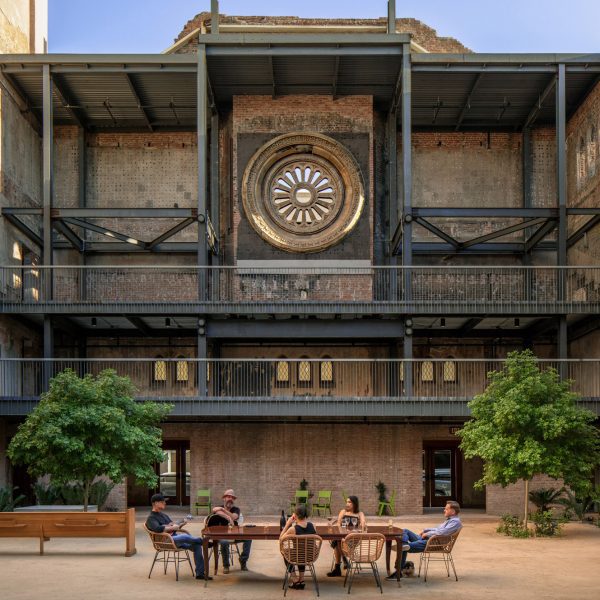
x=284, y=387
x=377, y=290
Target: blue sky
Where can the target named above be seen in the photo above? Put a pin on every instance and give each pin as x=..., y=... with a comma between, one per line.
x=484, y=26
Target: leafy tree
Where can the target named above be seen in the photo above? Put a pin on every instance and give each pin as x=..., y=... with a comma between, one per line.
x=91, y=426
x=525, y=423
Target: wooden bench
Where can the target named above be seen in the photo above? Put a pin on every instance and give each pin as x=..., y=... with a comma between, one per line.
x=47, y=525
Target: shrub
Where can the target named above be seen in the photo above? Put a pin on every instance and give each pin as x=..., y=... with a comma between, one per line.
x=512, y=526
x=47, y=493
x=8, y=500
x=546, y=524
x=544, y=497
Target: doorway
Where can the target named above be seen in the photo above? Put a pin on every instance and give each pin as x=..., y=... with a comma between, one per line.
x=174, y=472
x=442, y=476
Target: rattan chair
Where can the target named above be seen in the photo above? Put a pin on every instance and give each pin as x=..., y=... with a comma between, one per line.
x=218, y=520
x=165, y=546
x=300, y=550
x=439, y=547
x=362, y=549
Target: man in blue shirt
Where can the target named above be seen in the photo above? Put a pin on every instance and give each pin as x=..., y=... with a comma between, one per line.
x=159, y=522
x=411, y=542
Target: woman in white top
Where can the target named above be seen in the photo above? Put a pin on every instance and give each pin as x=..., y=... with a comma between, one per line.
x=353, y=518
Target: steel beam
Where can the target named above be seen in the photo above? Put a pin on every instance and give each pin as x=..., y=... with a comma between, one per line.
x=13, y=210
x=467, y=104
x=489, y=248
x=138, y=101
x=69, y=102
x=170, y=233
x=438, y=232
x=250, y=40
x=119, y=247
x=533, y=113
x=117, y=213
x=539, y=235
x=482, y=68
x=105, y=231
x=580, y=233
x=468, y=326
x=24, y=229
x=140, y=325
x=308, y=51
x=475, y=212
x=583, y=211
x=68, y=233
x=502, y=232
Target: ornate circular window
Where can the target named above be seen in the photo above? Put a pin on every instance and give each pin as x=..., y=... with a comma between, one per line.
x=302, y=192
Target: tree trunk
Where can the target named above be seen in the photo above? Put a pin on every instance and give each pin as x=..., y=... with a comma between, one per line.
x=86, y=494
x=526, y=502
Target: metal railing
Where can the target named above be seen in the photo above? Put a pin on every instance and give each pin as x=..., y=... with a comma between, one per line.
x=326, y=386
x=382, y=288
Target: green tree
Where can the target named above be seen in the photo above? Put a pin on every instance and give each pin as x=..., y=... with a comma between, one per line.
x=527, y=422
x=91, y=426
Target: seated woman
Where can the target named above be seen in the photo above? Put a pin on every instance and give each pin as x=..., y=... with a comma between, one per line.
x=350, y=517
x=298, y=524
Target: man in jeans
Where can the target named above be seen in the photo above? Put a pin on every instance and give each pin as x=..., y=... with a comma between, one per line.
x=159, y=522
x=231, y=514
x=411, y=542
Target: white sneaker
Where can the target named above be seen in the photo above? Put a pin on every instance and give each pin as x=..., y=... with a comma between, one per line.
x=226, y=570
x=405, y=547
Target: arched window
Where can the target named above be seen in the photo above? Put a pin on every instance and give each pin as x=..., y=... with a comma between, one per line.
x=159, y=370
x=326, y=372
x=282, y=373
x=304, y=373
x=182, y=373
x=449, y=371
x=427, y=371
x=581, y=161
x=592, y=151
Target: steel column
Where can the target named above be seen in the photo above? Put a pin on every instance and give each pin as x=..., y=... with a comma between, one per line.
x=202, y=115
x=214, y=16
x=391, y=19
x=406, y=169
x=214, y=179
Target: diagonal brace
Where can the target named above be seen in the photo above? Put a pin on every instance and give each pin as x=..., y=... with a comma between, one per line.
x=104, y=231
x=438, y=232
x=171, y=232
x=502, y=232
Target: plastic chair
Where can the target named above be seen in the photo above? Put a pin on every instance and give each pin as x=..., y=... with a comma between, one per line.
x=203, y=501
x=300, y=550
x=323, y=502
x=362, y=549
x=440, y=546
x=165, y=545
x=301, y=497
x=391, y=504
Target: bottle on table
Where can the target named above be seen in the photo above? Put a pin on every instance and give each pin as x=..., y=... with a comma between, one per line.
x=282, y=521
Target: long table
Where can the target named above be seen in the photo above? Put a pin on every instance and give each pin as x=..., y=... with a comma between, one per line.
x=272, y=532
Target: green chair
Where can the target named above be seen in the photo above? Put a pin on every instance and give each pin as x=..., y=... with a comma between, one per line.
x=345, y=496
x=301, y=497
x=323, y=502
x=203, y=501
x=391, y=504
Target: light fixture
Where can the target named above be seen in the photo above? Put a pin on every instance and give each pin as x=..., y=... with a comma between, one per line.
x=167, y=322
x=517, y=322
x=94, y=322
x=442, y=322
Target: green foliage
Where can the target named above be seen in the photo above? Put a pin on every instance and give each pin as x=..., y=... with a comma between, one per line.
x=513, y=526
x=91, y=426
x=546, y=524
x=544, y=497
x=382, y=491
x=526, y=422
x=72, y=493
x=579, y=504
x=8, y=500
x=47, y=494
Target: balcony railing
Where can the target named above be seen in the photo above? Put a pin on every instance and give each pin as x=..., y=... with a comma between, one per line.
x=291, y=387
x=533, y=290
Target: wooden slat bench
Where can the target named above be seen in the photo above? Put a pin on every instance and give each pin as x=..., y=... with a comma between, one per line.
x=47, y=525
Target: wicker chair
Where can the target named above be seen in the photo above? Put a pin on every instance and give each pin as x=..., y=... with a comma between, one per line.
x=439, y=547
x=218, y=520
x=300, y=550
x=165, y=545
x=362, y=549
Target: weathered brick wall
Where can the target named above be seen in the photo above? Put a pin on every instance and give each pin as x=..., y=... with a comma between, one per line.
x=421, y=33
x=511, y=499
x=14, y=26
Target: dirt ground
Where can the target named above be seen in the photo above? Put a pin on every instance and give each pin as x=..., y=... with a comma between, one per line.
x=489, y=566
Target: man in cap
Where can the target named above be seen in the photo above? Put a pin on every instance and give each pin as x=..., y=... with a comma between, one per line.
x=231, y=513
x=159, y=522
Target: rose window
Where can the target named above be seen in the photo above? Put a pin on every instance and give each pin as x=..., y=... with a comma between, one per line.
x=302, y=192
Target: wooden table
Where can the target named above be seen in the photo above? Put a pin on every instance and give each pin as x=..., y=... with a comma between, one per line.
x=271, y=532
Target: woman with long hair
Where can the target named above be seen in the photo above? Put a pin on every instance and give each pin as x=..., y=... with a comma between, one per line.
x=352, y=517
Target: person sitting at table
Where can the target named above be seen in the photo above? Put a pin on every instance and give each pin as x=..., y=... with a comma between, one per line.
x=350, y=517
x=231, y=514
x=412, y=542
x=159, y=522
x=298, y=524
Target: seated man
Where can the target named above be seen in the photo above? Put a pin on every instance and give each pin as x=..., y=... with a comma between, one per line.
x=159, y=522
x=231, y=513
x=411, y=542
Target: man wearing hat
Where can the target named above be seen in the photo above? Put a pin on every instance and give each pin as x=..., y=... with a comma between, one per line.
x=231, y=513
x=159, y=522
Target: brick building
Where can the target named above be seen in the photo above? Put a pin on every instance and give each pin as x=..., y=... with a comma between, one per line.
x=313, y=237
